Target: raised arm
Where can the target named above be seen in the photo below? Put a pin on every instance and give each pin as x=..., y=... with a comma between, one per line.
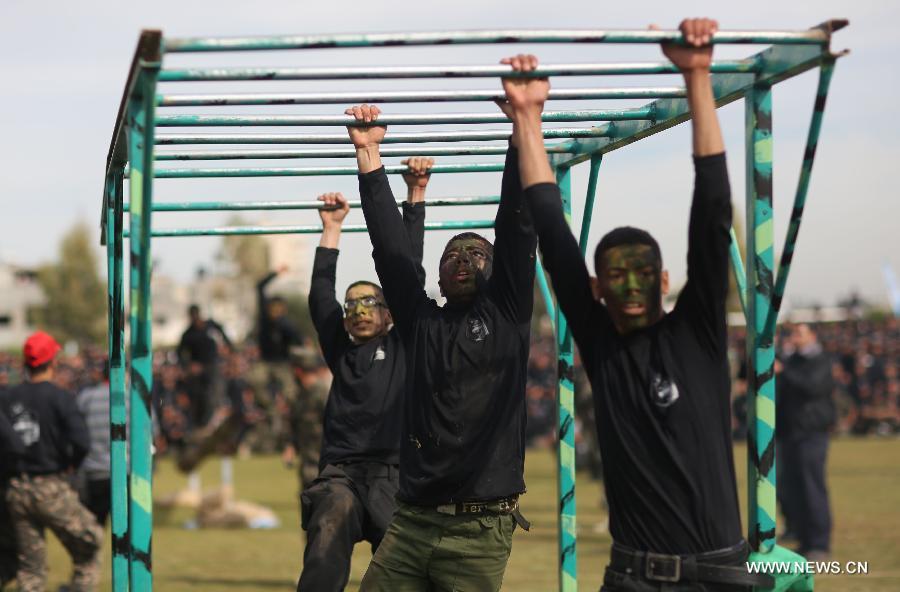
x=324, y=308
x=703, y=297
x=414, y=207
x=391, y=248
x=561, y=256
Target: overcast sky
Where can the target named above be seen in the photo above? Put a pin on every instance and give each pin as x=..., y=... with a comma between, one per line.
x=64, y=65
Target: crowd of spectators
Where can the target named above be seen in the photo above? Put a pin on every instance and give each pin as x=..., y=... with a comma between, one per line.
x=866, y=359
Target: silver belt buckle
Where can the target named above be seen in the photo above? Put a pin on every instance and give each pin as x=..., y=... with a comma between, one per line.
x=662, y=568
x=447, y=509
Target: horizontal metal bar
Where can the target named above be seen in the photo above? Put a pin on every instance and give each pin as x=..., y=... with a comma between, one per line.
x=195, y=44
x=774, y=65
x=386, y=151
x=313, y=171
x=439, y=96
x=391, y=138
x=373, y=72
x=400, y=119
x=309, y=229
x=217, y=206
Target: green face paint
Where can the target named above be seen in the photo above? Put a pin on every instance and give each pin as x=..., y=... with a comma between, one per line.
x=631, y=285
x=462, y=262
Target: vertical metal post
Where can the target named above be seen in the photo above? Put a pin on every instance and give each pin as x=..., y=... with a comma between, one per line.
x=760, y=343
x=117, y=411
x=596, y=161
x=545, y=291
x=568, y=572
x=740, y=276
x=140, y=155
x=809, y=156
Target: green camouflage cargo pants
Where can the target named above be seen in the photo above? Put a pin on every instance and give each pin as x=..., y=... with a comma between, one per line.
x=48, y=501
x=306, y=417
x=424, y=549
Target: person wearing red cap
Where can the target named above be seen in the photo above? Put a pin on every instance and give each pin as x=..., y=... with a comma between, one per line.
x=54, y=433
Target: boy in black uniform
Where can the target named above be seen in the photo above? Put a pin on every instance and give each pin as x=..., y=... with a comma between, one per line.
x=660, y=381
x=463, y=447
x=353, y=497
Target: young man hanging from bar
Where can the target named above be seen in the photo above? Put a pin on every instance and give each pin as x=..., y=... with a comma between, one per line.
x=462, y=453
x=352, y=499
x=660, y=381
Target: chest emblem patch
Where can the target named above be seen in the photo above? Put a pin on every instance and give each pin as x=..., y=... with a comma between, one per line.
x=379, y=354
x=476, y=329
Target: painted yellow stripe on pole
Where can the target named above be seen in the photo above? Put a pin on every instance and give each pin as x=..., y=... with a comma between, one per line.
x=765, y=236
x=141, y=493
x=762, y=148
x=765, y=410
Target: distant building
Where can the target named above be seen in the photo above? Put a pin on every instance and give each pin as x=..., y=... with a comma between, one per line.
x=19, y=294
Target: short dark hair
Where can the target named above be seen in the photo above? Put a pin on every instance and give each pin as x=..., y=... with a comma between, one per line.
x=277, y=300
x=32, y=370
x=194, y=310
x=471, y=236
x=625, y=235
x=373, y=285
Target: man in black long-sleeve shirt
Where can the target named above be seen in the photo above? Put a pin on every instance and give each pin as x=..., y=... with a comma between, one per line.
x=803, y=417
x=198, y=352
x=47, y=421
x=660, y=381
x=353, y=497
x=463, y=448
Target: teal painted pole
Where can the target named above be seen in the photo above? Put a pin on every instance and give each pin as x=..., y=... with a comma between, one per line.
x=315, y=171
x=760, y=344
x=545, y=291
x=390, y=138
x=404, y=151
x=117, y=410
x=809, y=156
x=568, y=560
x=809, y=36
x=740, y=276
x=217, y=206
x=596, y=161
x=384, y=72
x=405, y=96
x=140, y=154
x=310, y=229
x=183, y=120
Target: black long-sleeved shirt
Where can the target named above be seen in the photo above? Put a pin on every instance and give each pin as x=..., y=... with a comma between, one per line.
x=364, y=415
x=668, y=471
x=275, y=336
x=11, y=447
x=201, y=343
x=47, y=421
x=464, y=409
x=805, y=403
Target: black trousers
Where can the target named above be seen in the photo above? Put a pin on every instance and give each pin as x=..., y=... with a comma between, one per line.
x=802, y=491
x=346, y=504
x=97, y=499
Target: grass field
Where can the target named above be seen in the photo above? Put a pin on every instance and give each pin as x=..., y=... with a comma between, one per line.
x=864, y=478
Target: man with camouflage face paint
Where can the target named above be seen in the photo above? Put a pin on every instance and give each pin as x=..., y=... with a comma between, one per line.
x=463, y=447
x=352, y=499
x=660, y=381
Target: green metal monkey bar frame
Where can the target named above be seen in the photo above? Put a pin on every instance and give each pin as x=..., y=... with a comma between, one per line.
x=133, y=156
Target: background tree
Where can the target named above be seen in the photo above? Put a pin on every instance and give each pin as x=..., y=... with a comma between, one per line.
x=248, y=253
x=75, y=308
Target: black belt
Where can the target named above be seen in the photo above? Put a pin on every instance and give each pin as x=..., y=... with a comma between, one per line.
x=503, y=506
x=714, y=567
